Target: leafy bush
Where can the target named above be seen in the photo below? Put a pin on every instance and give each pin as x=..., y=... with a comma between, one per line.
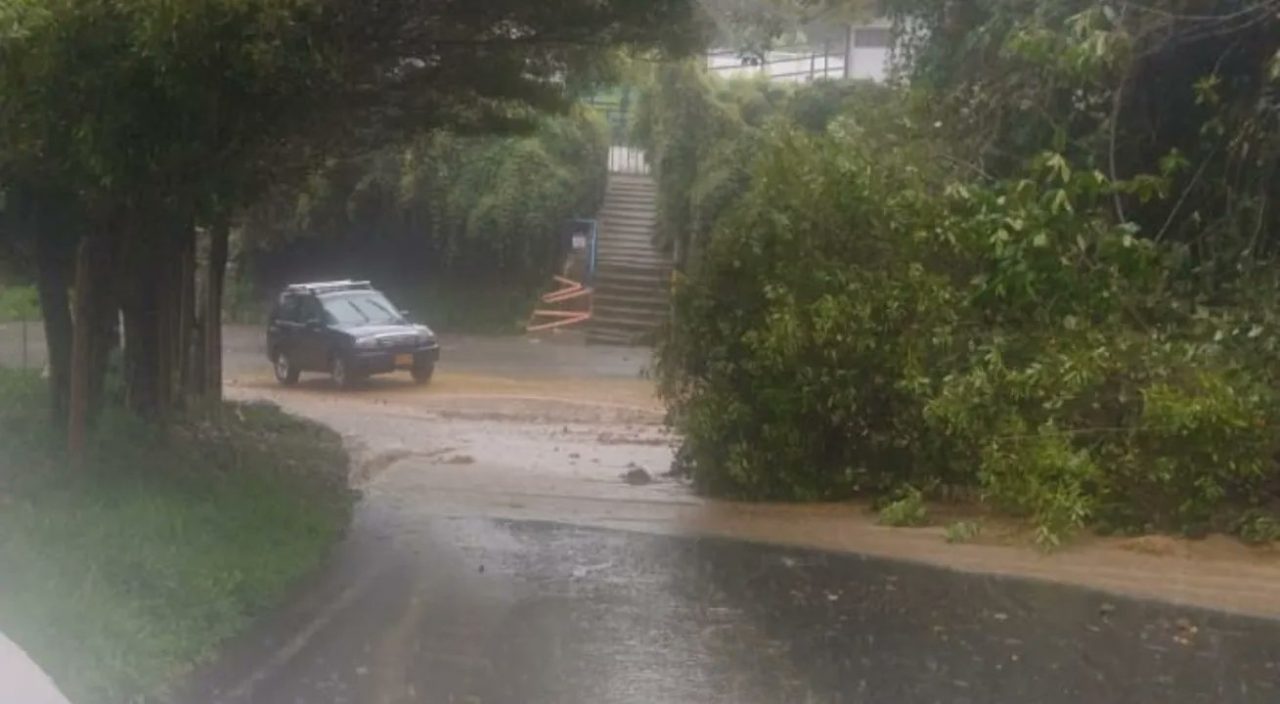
x=909, y=510
x=865, y=320
x=963, y=531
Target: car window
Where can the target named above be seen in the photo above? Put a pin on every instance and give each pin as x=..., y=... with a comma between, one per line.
x=361, y=309
x=309, y=310
x=288, y=309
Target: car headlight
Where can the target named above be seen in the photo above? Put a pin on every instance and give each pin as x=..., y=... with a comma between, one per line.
x=425, y=335
x=366, y=343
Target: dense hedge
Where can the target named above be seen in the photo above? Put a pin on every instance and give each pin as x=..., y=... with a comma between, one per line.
x=865, y=319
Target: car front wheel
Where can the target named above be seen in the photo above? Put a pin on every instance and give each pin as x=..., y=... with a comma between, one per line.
x=341, y=373
x=286, y=372
x=422, y=373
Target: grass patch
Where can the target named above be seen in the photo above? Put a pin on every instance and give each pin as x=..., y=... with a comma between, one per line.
x=120, y=578
x=18, y=303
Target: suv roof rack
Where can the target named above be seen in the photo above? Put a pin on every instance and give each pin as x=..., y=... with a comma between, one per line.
x=329, y=287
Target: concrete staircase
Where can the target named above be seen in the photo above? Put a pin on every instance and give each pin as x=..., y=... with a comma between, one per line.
x=633, y=277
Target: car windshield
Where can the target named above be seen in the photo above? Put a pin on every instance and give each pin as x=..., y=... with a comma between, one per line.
x=360, y=309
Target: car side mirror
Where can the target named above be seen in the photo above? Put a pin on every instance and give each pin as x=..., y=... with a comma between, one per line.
x=404, y=313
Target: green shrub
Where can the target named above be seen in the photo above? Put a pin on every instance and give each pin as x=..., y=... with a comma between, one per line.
x=864, y=320
x=1258, y=527
x=909, y=510
x=784, y=355
x=963, y=531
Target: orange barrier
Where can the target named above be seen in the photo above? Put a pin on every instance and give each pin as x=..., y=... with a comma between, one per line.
x=569, y=290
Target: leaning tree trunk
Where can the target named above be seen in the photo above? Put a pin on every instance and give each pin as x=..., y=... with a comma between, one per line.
x=53, y=269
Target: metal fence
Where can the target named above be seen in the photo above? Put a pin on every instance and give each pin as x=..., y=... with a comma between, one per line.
x=780, y=65
x=22, y=345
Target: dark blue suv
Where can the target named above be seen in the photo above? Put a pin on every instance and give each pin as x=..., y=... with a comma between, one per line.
x=348, y=330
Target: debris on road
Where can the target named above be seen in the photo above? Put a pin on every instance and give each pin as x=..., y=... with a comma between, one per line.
x=637, y=475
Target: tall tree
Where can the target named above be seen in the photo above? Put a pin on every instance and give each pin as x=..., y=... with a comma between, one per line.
x=161, y=116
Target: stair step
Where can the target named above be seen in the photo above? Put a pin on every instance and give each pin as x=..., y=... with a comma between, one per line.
x=632, y=238
x=632, y=180
x=631, y=199
x=652, y=269
x=628, y=287
x=601, y=336
x=656, y=289
x=630, y=247
x=654, y=297
x=628, y=319
x=651, y=265
x=649, y=261
x=612, y=223
x=643, y=217
x=613, y=300
x=625, y=322
x=626, y=269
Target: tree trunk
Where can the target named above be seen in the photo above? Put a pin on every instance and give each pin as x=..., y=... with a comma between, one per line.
x=219, y=236
x=186, y=314
x=81, y=353
x=167, y=327
x=53, y=269
x=105, y=339
x=142, y=340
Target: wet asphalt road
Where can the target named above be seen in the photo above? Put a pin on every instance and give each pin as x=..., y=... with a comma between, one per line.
x=484, y=567
x=479, y=610
x=477, y=571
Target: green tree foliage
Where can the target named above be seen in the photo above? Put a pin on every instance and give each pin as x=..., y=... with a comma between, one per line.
x=1121, y=87
x=701, y=134
x=874, y=315
x=467, y=212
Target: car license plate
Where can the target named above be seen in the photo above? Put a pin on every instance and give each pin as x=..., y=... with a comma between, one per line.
x=404, y=360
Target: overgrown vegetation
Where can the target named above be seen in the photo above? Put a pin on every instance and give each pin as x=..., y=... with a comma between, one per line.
x=1000, y=280
x=121, y=577
x=701, y=135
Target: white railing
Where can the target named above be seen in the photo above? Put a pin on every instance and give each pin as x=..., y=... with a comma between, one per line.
x=627, y=160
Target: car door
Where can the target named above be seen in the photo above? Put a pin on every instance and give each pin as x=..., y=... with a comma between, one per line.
x=312, y=335
x=283, y=330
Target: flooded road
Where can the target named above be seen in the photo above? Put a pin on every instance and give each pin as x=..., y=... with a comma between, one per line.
x=518, y=542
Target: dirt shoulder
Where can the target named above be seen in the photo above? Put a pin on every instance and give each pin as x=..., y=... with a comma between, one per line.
x=477, y=444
